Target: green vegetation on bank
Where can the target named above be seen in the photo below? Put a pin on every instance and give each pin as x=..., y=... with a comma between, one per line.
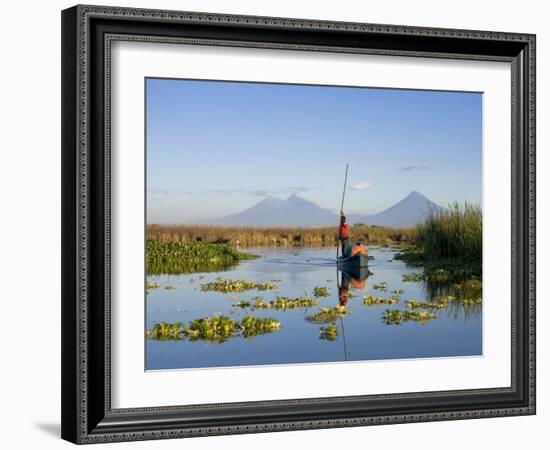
x=452, y=233
x=275, y=236
x=448, y=245
x=178, y=257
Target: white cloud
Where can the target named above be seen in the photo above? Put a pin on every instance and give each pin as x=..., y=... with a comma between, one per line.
x=361, y=185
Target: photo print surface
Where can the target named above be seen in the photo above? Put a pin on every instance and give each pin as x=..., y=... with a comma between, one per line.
x=297, y=224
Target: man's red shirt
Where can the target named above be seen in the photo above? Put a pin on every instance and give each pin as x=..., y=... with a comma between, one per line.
x=344, y=231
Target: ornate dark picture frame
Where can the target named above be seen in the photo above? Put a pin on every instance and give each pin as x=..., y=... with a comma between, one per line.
x=87, y=33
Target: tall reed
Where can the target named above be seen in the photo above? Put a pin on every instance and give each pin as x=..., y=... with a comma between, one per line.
x=452, y=233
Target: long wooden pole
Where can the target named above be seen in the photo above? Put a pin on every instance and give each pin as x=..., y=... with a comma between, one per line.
x=342, y=206
x=344, y=190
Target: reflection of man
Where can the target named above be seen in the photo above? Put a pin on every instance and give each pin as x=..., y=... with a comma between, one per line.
x=348, y=282
x=343, y=295
x=343, y=289
x=343, y=232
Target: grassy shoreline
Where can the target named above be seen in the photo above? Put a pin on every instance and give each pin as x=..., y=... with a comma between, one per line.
x=275, y=236
x=448, y=245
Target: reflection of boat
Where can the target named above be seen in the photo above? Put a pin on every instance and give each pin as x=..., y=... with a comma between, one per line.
x=354, y=265
x=355, y=279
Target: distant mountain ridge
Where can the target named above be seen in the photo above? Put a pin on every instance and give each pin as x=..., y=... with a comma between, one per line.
x=412, y=209
x=298, y=212
x=271, y=211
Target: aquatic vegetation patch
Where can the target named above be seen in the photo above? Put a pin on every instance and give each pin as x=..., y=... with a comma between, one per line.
x=412, y=277
x=281, y=303
x=151, y=285
x=178, y=257
x=321, y=292
x=471, y=301
x=221, y=285
x=328, y=333
x=243, y=304
x=397, y=317
x=214, y=329
x=382, y=286
x=414, y=304
x=442, y=270
x=397, y=291
x=163, y=331
x=170, y=288
x=329, y=314
x=253, y=326
x=371, y=300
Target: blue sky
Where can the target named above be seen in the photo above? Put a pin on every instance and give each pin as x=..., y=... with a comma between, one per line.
x=216, y=148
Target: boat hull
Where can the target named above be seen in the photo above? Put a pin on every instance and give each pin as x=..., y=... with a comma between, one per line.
x=357, y=264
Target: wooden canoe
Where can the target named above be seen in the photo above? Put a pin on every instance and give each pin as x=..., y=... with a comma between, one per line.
x=354, y=264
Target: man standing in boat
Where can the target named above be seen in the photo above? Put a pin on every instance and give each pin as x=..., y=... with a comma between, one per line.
x=343, y=233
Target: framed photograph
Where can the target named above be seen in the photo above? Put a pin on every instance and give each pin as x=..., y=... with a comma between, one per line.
x=280, y=224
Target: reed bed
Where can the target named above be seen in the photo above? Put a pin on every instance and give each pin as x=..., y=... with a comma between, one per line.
x=452, y=233
x=275, y=236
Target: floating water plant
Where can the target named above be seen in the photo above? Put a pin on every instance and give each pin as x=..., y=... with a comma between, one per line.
x=221, y=285
x=397, y=317
x=215, y=329
x=471, y=301
x=283, y=303
x=178, y=257
x=397, y=291
x=170, y=288
x=329, y=314
x=413, y=277
x=413, y=304
x=151, y=285
x=371, y=300
x=243, y=304
x=252, y=326
x=321, y=292
x=328, y=333
x=382, y=286
x=165, y=330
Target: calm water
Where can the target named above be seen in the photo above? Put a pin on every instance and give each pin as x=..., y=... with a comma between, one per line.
x=362, y=335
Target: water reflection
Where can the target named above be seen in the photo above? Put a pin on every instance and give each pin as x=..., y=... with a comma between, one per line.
x=339, y=325
x=347, y=281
